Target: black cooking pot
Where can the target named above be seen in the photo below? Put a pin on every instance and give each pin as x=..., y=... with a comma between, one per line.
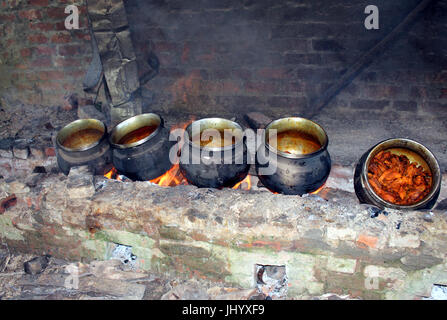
x=293, y=157
x=83, y=142
x=415, y=152
x=140, y=147
x=222, y=162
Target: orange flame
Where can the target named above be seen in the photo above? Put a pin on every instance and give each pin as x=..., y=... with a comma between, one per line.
x=173, y=177
x=318, y=190
x=244, y=184
x=113, y=174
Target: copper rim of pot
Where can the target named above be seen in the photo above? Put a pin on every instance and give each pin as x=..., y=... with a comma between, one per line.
x=417, y=148
x=79, y=125
x=218, y=124
x=302, y=124
x=132, y=124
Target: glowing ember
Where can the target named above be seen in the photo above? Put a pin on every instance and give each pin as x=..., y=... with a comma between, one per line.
x=244, y=184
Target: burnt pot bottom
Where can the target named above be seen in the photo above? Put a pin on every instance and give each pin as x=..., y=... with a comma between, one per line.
x=96, y=158
x=219, y=170
x=295, y=176
x=214, y=175
x=144, y=162
x=149, y=167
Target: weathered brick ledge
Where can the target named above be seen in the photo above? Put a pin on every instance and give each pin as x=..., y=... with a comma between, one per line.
x=327, y=246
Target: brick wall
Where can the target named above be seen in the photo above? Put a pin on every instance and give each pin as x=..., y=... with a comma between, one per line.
x=276, y=56
x=231, y=56
x=41, y=63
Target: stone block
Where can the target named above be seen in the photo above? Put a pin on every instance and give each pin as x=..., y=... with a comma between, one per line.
x=405, y=241
x=80, y=183
x=333, y=233
x=21, y=152
x=341, y=265
x=372, y=271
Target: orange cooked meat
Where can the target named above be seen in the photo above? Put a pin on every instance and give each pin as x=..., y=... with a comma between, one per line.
x=396, y=180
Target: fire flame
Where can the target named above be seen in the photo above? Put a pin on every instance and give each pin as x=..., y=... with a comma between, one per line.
x=113, y=174
x=244, y=184
x=173, y=177
x=318, y=190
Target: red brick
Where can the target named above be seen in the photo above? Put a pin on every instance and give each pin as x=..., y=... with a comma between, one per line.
x=25, y=52
x=274, y=73
x=443, y=94
x=70, y=50
x=37, y=38
x=241, y=74
x=77, y=74
x=230, y=87
x=31, y=76
x=56, y=13
x=439, y=77
x=42, y=62
x=51, y=75
x=21, y=66
x=41, y=3
x=61, y=38
x=59, y=26
x=383, y=91
x=50, y=86
x=24, y=86
x=41, y=50
x=7, y=17
x=42, y=26
x=162, y=46
x=83, y=36
x=365, y=241
x=32, y=14
x=50, y=152
x=68, y=62
x=260, y=87
x=185, y=53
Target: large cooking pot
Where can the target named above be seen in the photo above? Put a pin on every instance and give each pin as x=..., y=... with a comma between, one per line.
x=214, y=153
x=415, y=152
x=293, y=157
x=140, y=147
x=83, y=142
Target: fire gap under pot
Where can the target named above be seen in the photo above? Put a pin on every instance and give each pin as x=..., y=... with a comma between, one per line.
x=292, y=157
x=140, y=147
x=83, y=142
x=415, y=153
x=214, y=153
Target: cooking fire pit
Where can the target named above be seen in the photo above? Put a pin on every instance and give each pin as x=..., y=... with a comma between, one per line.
x=317, y=170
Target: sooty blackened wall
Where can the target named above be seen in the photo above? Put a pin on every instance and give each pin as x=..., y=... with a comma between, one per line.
x=231, y=56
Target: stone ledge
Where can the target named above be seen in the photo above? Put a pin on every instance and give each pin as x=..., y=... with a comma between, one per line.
x=326, y=246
